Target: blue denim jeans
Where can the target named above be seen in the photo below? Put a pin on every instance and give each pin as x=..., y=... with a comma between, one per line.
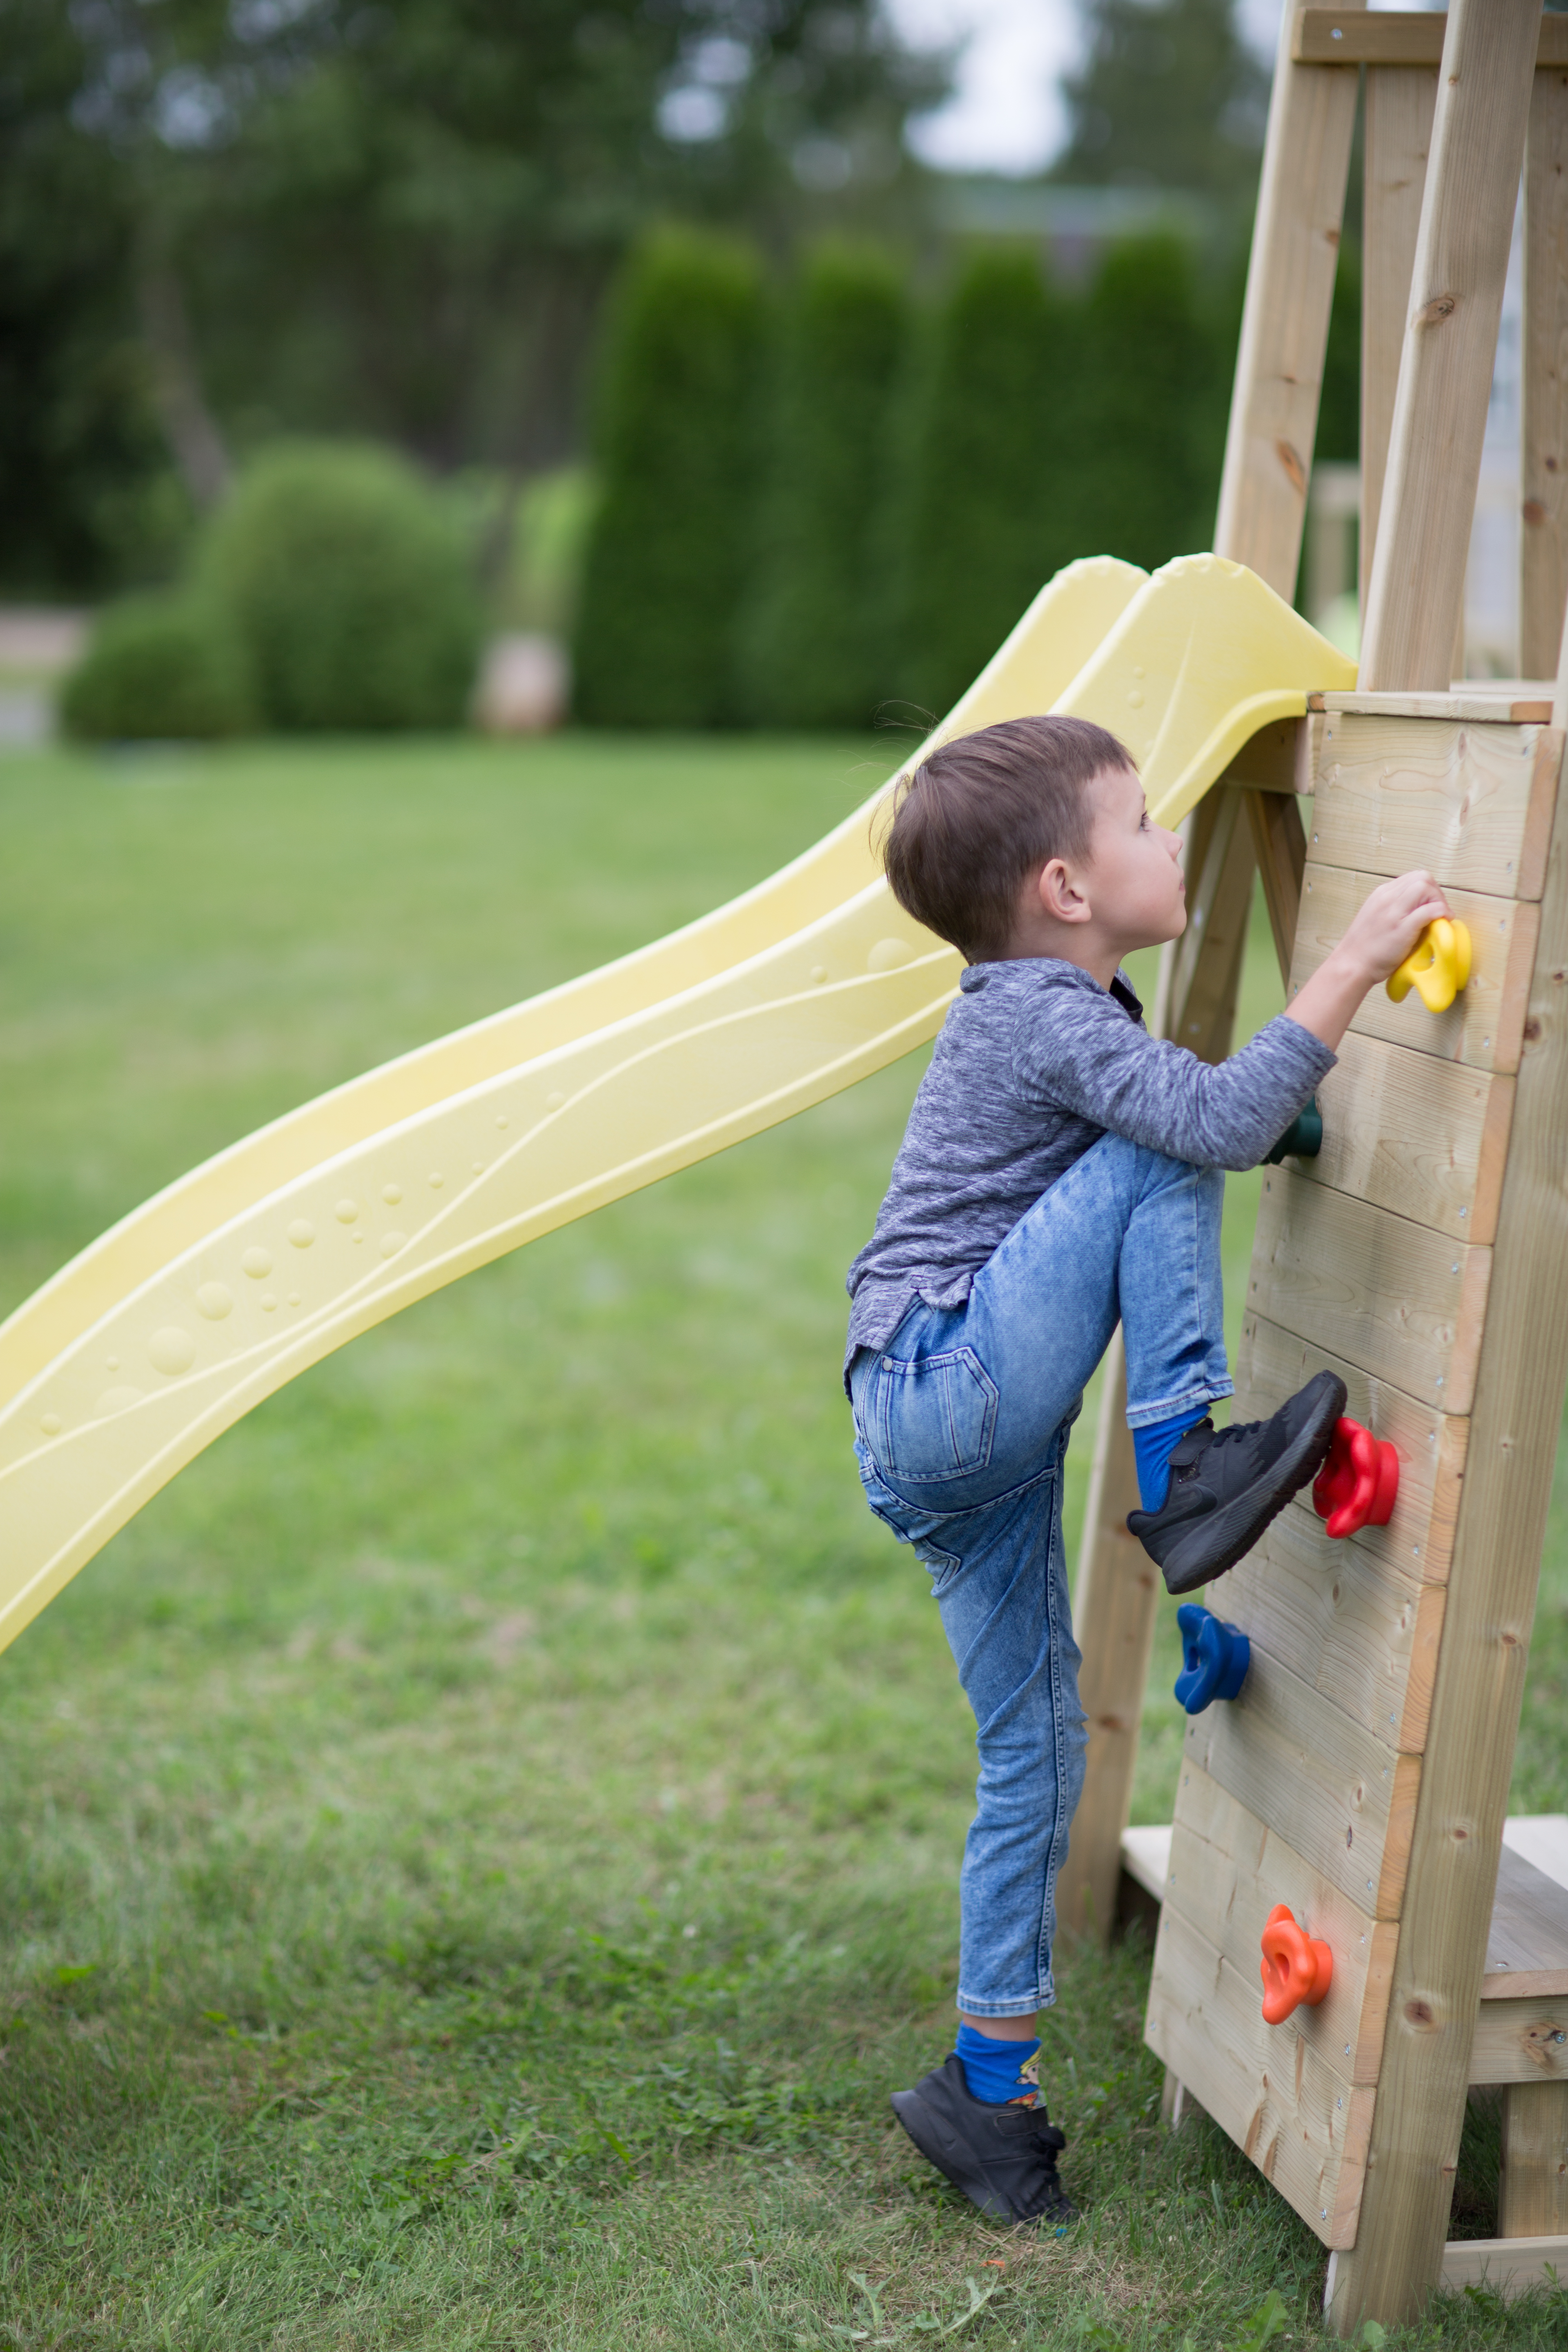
x=961, y=1432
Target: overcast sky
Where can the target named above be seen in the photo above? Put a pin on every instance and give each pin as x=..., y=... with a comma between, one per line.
x=1007, y=114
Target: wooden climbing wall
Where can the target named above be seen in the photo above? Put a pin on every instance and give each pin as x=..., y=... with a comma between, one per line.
x=1376, y=1260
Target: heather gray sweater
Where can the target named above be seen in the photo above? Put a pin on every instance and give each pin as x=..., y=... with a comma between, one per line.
x=1035, y=1063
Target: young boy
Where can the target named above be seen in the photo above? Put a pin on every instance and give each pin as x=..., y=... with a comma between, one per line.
x=1061, y=1171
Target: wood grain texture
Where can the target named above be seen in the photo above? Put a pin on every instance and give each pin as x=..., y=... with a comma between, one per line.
x=1481, y=1675
x=1280, y=846
x=1470, y=803
x=1485, y=1024
x=1280, y=758
x=1285, y=318
x=1543, y=379
x=1207, y=961
x=1397, y=136
x=1114, y=1605
x=1527, y=1938
x=1404, y=1303
x=1338, y=1795
x=1402, y=39
x=1425, y=1138
x=1227, y=1870
x=1500, y=702
x=1415, y=595
x=1521, y=2042
x=1304, y=2127
x=1510, y=2266
x=1532, y=2180
x=1360, y=1631
x=1273, y=1364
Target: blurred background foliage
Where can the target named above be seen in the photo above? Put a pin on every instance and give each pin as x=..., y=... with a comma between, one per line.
x=703, y=369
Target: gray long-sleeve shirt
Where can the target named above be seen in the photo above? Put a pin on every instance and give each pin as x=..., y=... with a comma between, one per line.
x=1035, y=1063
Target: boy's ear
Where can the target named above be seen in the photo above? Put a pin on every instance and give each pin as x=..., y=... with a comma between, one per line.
x=1060, y=894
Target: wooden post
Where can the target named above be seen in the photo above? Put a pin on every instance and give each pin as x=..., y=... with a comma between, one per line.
x=1480, y=1680
x=1400, y=101
x=1416, y=599
x=1262, y=512
x=1544, y=429
x=1532, y=2191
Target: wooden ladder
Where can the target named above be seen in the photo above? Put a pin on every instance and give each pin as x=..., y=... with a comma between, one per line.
x=1363, y=1775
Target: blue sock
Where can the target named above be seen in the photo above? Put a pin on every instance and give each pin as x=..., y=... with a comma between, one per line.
x=1152, y=1448
x=993, y=2070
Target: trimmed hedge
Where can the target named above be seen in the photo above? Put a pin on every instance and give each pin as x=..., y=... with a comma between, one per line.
x=351, y=589
x=815, y=640
x=1151, y=462
x=670, y=550
x=993, y=451
x=160, y=666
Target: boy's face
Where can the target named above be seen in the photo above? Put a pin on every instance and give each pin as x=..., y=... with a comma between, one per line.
x=1133, y=874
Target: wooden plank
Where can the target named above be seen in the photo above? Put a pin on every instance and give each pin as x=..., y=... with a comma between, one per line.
x=1425, y=1138
x=1330, y=36
x=1146, y=1856
x=1407, y=1304
x=1273, y=1364
x=1398, y=136
x=1485, y=1026
x=1532, y=2181
x=1285, y=318
x=1303, y=2126
x=1114, y=1606
x=1498, y=701
x=1280, y=846
x=1357, y=1630
x=1280, y=758
x=1481, y=1676
x=1521, y=2042
x=1543, y=379
x=1226, y=1872
x=1527, y=1941
x=1510, y=2266
x=1415, y=595
x=1208, y=955
x=1470, y=803
x=1543, y=1839
x=1335, y=1793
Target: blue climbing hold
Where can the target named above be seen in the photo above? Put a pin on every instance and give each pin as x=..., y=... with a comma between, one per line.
x=1216, y=1656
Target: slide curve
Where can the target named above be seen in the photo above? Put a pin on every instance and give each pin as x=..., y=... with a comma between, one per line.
x=158, y=1336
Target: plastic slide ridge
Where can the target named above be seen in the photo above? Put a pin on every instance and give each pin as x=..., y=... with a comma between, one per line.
x=208, y=1298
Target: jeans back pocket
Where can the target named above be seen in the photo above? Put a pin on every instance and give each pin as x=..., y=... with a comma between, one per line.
x=934, y=1418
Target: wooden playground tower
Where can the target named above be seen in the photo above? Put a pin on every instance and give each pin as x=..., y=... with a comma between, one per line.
x=1362, y=1774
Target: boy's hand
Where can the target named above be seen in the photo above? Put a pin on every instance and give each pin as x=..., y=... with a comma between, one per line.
x=1381, y=936
x=1389, y=924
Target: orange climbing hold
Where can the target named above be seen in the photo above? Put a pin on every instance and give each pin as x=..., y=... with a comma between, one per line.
x=1356, y=1487
x=1297, y=1967
x=1437, y=966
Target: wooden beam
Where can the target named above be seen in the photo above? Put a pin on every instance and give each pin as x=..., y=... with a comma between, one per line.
x=1521, y=2042
x=1510, y=2266
x=1416, y=594
x=1328, y=37
x=1544, y=422
x=1280, y=846
x=1533, y=2184
x=1397, y=137
x=1113, y=1609
x=1457, y=1835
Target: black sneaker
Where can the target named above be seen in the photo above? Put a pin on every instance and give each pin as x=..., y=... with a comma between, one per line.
x=1003, y=2158
x=1226, y=1484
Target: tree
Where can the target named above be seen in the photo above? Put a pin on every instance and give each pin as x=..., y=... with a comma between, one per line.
x=996, y=430
x=814, y=640
x=676, y=448
x=1169, y=96
x=1148, y=470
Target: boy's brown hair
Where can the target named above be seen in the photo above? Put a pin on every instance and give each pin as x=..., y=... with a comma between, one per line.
x=983, y=814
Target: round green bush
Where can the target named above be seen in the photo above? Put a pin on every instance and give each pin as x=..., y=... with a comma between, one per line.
x=159, y=666
x=351, y=589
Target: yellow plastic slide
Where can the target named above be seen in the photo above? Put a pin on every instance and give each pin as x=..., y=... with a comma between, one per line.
x=213, y=1294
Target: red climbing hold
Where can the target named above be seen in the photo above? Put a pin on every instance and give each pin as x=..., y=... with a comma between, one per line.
x=1297, y=1967
x=1356, y=1486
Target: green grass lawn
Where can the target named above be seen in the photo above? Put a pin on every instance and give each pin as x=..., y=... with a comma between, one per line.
x=480, y=1848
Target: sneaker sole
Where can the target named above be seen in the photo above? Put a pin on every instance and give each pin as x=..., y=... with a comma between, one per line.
x=1237, y=1526
x=939, y=2146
